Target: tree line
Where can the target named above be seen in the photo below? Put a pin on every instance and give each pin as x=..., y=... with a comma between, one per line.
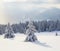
x=41, y=26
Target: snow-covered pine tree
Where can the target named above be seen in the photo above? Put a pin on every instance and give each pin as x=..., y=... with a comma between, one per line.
x=9, y=33
x=30, y=33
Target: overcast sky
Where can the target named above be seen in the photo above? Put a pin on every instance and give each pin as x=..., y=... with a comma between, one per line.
x=15, y=8
x=36, y=1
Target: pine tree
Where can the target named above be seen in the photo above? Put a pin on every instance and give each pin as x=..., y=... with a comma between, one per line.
x=9, y=33
x=30, y=33
x=56, y=34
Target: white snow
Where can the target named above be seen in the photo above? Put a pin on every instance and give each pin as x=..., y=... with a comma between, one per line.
x=49, y=33
x=44, y=43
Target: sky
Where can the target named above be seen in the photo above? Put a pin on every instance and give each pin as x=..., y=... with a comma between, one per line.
x=14, y=11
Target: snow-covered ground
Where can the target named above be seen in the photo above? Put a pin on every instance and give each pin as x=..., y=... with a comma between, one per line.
x=45, y=43
x=49, y=33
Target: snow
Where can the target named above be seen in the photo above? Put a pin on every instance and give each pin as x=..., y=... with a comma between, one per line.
x=49, y=33
x=44, y=43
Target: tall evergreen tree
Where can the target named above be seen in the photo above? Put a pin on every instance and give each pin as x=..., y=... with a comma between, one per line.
x=30, y=33
x=9, y=32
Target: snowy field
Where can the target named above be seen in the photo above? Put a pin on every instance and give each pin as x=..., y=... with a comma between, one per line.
x=45, y=43
x=49, y=33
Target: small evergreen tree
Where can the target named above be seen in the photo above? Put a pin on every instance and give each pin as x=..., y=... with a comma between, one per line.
x=9, y=32
x=30, y=33
x=56, y=34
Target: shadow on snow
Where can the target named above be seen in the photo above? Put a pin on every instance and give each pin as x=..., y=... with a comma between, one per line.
x=42, y=44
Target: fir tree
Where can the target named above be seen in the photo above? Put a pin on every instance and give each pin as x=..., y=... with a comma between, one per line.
x=9, y=33
x=30, y=33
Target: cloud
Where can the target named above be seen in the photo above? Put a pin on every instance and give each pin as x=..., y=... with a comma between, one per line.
x=35, y=1
x=57, y=1
x=44, y=1
x=18, y=10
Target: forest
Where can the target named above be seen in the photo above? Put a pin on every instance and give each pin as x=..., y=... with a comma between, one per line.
x=41, y=26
